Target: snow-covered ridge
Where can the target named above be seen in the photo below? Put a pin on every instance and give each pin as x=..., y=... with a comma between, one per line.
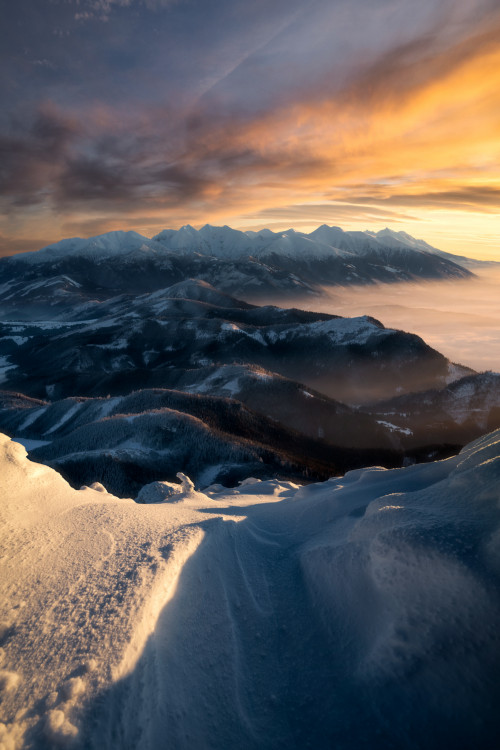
x=324, y=243
x=350, y=609
x=253, y=266
x=108, y=245
x=353, y=331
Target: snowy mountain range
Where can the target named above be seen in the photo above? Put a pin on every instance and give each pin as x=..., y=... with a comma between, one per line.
x=118, y=367
x=324, y=243
x=248, y=265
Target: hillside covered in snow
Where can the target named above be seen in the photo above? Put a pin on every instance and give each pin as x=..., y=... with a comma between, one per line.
x=129, y=388
x=357, y=613
x=250, y=265
x=132, y=389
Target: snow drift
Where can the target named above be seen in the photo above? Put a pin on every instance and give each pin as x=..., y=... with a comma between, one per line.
x=358, y=613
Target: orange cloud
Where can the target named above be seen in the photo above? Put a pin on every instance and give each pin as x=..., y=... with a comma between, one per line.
x=417, y=131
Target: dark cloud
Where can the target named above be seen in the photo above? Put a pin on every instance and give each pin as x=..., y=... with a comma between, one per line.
x=87, y=181
x=54, y=160
x=31, y=153
x=90, y=179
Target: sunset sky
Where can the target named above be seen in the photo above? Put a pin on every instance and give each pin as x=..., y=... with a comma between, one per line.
x=147, y=114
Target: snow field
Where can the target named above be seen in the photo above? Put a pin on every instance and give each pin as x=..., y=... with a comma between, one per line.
x=357, y=613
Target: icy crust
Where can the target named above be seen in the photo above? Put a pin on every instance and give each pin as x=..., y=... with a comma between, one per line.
x=358, y=613
x=80, y=570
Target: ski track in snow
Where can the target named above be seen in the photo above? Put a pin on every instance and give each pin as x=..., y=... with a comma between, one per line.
x=357, y=613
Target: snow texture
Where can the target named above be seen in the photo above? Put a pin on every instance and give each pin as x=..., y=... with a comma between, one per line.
x=358, y=613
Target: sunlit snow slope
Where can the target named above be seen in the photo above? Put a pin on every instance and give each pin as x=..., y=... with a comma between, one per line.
x=358, y=613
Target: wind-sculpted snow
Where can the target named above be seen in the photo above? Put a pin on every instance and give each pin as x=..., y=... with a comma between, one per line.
x=358, y=613
x=80, y=569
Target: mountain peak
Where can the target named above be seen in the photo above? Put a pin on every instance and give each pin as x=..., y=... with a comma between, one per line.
x=351, y=257
x=115, y=243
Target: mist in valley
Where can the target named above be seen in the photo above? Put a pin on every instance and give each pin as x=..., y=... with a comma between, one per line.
x=459, y=318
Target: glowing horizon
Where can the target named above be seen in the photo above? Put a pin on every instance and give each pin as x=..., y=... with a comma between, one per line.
x=282, y=116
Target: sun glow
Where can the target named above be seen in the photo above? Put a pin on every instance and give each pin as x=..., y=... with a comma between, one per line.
x=403, y=130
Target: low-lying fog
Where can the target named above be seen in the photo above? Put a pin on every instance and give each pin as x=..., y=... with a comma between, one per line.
x=461, y=319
